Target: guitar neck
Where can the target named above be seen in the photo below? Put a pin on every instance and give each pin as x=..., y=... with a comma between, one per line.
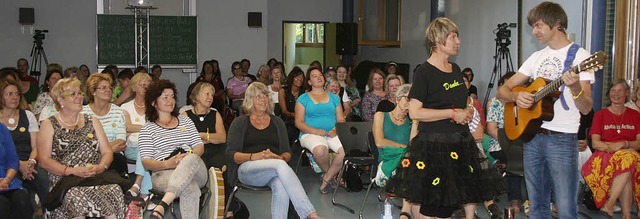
x=553, y=85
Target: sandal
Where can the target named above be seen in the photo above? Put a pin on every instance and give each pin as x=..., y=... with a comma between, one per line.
x=131, y=192
x=405, y=214
x=160, y=215
x=332, y=182
x=606, y=214
x=494, y=211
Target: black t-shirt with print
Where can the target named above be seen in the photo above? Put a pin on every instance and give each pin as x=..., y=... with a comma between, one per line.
x=439, y=90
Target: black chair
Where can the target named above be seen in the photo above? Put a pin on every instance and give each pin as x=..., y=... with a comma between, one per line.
x=239, y=185
x=374, y=151
x=349, y=132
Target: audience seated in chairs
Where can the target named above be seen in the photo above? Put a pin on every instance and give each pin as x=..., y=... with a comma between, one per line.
x=316, y=115
x=237, y=85
x=258, y=152
x=170, y=147
x=287, y=97
x=392, y=131
x=135, y=118
x=24, y=128
x=112, y=118
x=613, y=171
x=73, y=147
x=14, y=199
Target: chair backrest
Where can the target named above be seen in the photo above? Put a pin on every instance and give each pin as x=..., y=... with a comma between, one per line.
x=353, y=135
x=371, y=142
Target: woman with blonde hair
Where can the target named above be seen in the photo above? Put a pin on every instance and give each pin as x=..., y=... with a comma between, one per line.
x=441, y=169
x=73, y=148
x=135, y=117
x=635, y=99
x=375, y=94
x=258, y=152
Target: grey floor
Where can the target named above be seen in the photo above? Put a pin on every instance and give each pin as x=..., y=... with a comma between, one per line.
x=259, y=202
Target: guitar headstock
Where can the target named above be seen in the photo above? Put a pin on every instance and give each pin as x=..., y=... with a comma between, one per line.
x=592, y=63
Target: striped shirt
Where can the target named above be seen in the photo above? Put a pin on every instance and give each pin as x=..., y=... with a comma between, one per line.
x=157, y=143
x=113, y=122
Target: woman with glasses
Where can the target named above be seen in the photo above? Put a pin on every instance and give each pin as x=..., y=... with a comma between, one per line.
x=317, y=112
x=99, y=89
x=135, y=119
x=236, y=86
x=73, y=147
x=170, y=147
x=259, y=148
x=393, y=82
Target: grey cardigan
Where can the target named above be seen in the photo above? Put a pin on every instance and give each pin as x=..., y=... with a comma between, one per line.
x=235, y=142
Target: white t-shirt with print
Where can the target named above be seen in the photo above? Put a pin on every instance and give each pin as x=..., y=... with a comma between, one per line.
x=548, y=63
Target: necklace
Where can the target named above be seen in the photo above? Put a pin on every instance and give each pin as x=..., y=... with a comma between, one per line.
x=134, y=103
x=618, y=124
x=199, y=115
x=11, y=120
x=65, y=123
x=400, y=119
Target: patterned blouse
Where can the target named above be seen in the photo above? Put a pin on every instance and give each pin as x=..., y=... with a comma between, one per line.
x=43, y=101
x=370, y=104
x=495, y=114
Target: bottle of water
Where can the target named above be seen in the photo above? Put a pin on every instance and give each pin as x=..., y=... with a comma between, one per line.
x=386, y=213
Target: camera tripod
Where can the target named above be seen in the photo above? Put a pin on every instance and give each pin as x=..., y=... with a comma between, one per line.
x=37, y=56
x=502, y=52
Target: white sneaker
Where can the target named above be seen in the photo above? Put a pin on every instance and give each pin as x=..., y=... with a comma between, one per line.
x=617, y=208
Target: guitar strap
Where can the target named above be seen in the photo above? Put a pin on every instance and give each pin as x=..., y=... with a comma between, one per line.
x=571, y=55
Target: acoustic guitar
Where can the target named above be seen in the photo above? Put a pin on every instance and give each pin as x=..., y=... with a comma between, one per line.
x=523, y=123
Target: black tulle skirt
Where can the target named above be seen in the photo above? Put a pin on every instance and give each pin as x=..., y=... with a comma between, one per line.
x=444, y=169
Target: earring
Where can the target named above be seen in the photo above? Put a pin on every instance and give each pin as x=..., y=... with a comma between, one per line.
x=94, y=94
x=61, y=106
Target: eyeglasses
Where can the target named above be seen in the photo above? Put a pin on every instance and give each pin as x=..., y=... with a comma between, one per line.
x=105, y=88
x=260, y=96
x=74, y=94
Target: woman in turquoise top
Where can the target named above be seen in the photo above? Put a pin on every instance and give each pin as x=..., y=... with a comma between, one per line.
x=316, y=114
x=391, y=131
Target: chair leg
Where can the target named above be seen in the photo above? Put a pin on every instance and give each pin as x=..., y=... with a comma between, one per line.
x=366, y=195
x=231, y=196
x=300, y=160
x=333, y=197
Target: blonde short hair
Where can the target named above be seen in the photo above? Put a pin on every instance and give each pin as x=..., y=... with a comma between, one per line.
x=196, y=91
x=139, y=77
x=93, y=81
x=439, y=30
x=392, y=77
x=252, y=91
x=402, y=91
x=61, y=87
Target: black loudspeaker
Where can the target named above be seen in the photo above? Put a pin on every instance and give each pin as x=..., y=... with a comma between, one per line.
x=347, y=38
x=255, y=19
x=26, y=16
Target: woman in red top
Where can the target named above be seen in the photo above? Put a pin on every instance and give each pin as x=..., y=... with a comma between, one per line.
x=614, y=168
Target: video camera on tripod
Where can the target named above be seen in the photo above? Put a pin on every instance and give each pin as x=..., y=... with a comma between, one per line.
x=39, y=35
x=503, y=33
x=37, y=53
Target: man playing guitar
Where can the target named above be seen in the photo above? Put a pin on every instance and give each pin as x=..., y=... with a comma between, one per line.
x=550, y=158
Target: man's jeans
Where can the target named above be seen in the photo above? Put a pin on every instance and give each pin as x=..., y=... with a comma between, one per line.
x=550, y=164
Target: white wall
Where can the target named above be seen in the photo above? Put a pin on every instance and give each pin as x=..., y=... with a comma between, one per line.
x=476, y=21
x=71, y=37
x=415, y=19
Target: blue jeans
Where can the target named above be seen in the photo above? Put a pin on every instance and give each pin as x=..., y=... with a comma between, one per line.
x=550, y=164
x=284, y=184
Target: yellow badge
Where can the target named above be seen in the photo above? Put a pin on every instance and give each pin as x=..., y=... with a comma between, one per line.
x=420, y=165
x=90, y=135
x=435, y=181
x=137, y=119
x=454, y=155
x=189, y=150
x=88, y=165
x=113, y=125
x=406, y=163
x=22, y=129
x=184, y=129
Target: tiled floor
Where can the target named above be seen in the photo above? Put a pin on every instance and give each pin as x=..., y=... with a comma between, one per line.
x=259, y=202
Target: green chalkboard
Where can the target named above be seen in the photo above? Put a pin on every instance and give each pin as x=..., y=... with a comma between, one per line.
x=173, y=40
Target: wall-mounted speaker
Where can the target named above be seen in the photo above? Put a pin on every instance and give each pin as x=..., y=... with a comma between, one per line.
x=26, y=16
x=255, y=19
x=347, y=38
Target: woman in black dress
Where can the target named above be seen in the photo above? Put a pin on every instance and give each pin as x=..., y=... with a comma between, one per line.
x=287, y=100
